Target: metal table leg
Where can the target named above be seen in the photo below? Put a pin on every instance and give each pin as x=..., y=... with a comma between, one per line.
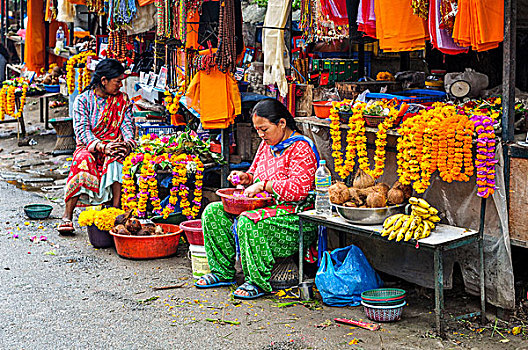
x=41, y=108
x=439, y=291
x=46, y=113
x=301, y=250
x=482, y=281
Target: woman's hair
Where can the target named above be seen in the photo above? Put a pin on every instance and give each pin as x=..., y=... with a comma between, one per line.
x=274, y=111
x=108, y=68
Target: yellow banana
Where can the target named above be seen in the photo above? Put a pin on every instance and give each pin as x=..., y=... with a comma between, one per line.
x=426, y=231
x=423, y=203
x=434, y=218
x=407, y=223
x=387, y=231
x=400, y=236
x=413, y=200
x=419, y=210
x=433, y=211
x=393, y=235
x=391, y=220
x=399, y=222
x=416, y=221
x=419, y=231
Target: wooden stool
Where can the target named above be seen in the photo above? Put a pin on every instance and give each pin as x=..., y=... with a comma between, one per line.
x=65, y=136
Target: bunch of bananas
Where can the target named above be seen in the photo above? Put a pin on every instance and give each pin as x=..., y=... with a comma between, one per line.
x=417, y=225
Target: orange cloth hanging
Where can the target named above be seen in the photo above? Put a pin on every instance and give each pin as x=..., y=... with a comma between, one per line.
x=34, y=48
x=479, y=24
x=192, y=30
x=215, y=97
x=397, y=28
x=79, y=2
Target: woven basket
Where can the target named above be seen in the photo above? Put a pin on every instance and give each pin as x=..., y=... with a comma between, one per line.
x=383, y=313
x=374, y=120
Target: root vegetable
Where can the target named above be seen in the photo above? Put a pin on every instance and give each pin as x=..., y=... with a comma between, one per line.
x=406, y=189
x=350, y=205
x=133, y=225
x=376, y=200
x=338, y=193
x=382, y=188
x=363, y=180
x=395, y=196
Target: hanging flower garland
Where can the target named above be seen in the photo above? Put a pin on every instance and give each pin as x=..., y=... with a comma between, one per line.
x=148, y=186
x=357, y=141
x=485, y=161
x=8, y=98
x=436, y=139
x=76, y=61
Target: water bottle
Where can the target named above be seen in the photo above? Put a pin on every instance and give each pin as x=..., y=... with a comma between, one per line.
x=59, y=43
x=323, y=180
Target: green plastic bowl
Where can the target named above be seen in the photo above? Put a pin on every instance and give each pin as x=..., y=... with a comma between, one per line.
x=38, y=211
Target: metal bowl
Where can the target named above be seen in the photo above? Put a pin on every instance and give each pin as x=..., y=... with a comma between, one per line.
x=368, y=216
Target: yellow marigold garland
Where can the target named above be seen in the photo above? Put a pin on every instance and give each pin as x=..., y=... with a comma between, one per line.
x=357, y=141
x=8, y=98
x=84, y=75
x=148, y=186
x=104, y=219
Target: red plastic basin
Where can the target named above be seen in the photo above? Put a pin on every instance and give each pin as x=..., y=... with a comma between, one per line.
x=237, y=205
x=149, y=247
x=193, y=231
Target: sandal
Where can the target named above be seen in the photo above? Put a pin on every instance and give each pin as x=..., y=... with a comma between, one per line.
x=211, y=281
x=66, y=228
x=253, y=291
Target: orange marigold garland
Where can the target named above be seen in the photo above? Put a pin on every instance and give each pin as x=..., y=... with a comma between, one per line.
x=438, y=138
x=8, y=98
x=84, y=74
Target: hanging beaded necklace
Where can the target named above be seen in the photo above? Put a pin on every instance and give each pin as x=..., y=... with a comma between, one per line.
x=226, y=55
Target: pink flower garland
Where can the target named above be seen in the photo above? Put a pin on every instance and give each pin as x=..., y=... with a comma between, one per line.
x=485, y=162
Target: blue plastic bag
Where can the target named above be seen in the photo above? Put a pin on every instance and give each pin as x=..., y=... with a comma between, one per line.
x=343, y=275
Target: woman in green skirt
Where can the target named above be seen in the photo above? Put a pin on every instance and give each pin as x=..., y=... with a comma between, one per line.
x=284, y=166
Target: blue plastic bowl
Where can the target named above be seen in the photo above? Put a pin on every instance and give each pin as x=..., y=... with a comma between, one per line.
x=52, y=88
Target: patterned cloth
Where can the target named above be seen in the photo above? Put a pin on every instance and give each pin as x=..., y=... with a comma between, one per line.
x=96, y=119
x=260, y=243
x=267, y=233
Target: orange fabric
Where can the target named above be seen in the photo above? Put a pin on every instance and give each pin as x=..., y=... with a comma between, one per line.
x=479, y=24
x=397, y=28
x=79, y=2
x=53, y=26
x=34, y=48
x=145, y=2
x=216, y=97
x=192, y=30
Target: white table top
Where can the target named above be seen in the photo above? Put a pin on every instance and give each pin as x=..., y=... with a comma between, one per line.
x=441, y=235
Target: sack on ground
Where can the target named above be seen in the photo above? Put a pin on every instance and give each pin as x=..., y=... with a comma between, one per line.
x=343, y=275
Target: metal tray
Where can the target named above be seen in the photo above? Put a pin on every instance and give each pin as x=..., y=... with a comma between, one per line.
x=368, y=216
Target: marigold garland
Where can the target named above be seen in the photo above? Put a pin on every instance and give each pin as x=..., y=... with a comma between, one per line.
x=84, y=74
x=357, y=141
x=485, y=161
x=104, y=219
x=8, y=98
x=148, y=186
x=437, y=138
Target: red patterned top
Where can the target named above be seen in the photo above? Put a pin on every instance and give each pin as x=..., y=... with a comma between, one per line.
x=292, y=172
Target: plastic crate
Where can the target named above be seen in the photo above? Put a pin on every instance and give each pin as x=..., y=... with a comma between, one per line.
x=421, y=96
x=158, y=129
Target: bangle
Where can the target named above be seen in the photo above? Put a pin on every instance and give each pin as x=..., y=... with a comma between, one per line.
x=104, y=148
x=265, y=185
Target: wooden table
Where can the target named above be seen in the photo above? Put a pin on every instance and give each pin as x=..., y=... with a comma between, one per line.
x=44, y=107
x=443, y=238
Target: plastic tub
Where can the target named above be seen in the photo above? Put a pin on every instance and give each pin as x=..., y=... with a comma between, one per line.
x=200, y=265
x=149, y=247
x=237, y=205
x=38, y=211
x=322, y=109
x=193, y=231
x=99, y=238
x=52, y=88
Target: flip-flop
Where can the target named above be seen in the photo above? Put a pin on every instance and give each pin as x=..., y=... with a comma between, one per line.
x=212, y=281
x=253, y=291
x=66, y=228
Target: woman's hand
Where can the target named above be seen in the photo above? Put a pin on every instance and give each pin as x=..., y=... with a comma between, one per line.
x=244, y=178
x=116, y=149
x=254, y=189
